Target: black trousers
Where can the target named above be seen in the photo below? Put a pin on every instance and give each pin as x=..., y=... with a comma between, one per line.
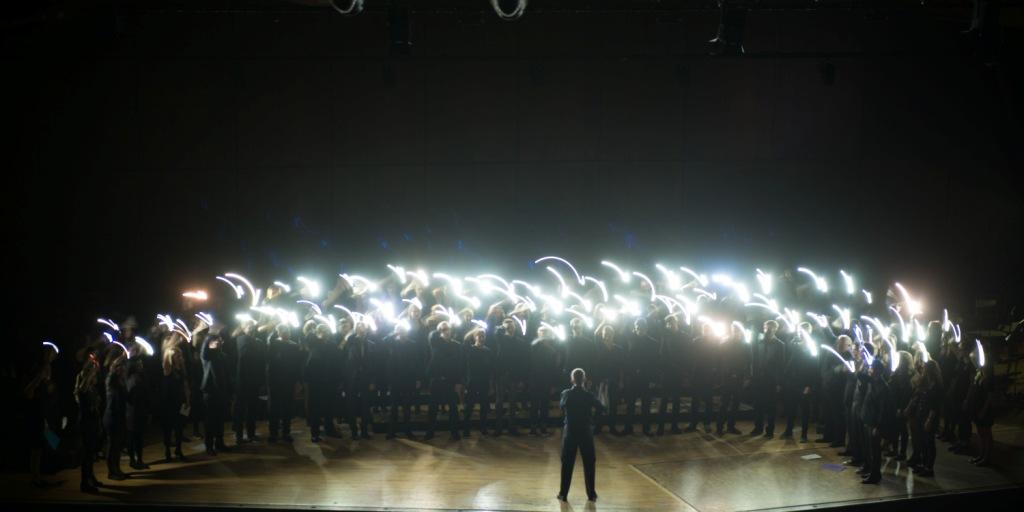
x=855, y=436
x=638, y=388
x=765, y=398
x=474, y=396
x=872, y=452
x=171, y=422
x=730, y=402
x=116, y=438
x=582, y=442
x=401, y=397
x=506, y=395
x=247, y=403
x=794, y=400
x=319, y=408
x=90, y=430
x=700, y=395
x=136, y=440
x=540, y=401
x=671, y=392
x=215, y=405
x=280, y=409
x=358, y=407
x=443, y=392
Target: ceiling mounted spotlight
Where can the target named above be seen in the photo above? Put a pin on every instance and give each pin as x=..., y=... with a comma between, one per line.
x=354, y=7
x=509, y=10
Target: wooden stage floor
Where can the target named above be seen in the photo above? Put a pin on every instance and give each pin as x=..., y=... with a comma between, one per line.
x=694, y=471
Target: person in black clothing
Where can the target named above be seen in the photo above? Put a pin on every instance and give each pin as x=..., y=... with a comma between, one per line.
x=512, y=362
x=800, y=381
x=642, y=373
x=609, y=359
x=963, y=375
x=544, y=369
x=216, y=388
x=878, y=415
x=174, y=400
x=978, y=406
x=577, y=406
x=402, y=370
x=318, y=375
x=250, y=376
x=90, y=403
x=479, y=369
x=702, y=373
x=734, y=373
x=834, y=376
x=358, y=355
x=136, y=408
x=928, y=402
x=901, y=391
x=445, y=369
x=768, y=364
x=283, y=368
x=674, y=356
x=579, y=350
x=114, y=417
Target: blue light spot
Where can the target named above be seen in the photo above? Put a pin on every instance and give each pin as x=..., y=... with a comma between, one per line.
x=323, y=242
x=459, y=244
x=407, y=236
x=383, y=243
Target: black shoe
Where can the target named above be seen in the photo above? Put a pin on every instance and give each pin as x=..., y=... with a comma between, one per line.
x=676, y=430
x=707, y=428
x=533, y=432
x=719, y=432
x=88, y=487
x=211, y=452
x=845, y=453
x=561, y=497
x=455, y=437
x=497, y=432
x=465, y=433
x=366, y=435
x=167, y=455
x=181, y=456
x=822, y=440
x=769, y=435
x=140, y=466
x=786, y=435
x=733, y=430
x=315, y=439
x=661, y=431
x=287, y=438
x=803, y=439
x=221, y=447
x=648, y=433
x=691, y=428
x=272, y=439
x=756, y=432
x=428, y=436
x=835, y=444
x=514, y=432
x=410, y=436
x=592, y=497
x=924, y=472
x=390, y=436
x=117, y=477
x=871, y=479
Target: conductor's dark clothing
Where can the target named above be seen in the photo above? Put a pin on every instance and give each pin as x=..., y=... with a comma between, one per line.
x=577, y=406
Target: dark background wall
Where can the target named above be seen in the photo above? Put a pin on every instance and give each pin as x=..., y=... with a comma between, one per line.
x=155, y=146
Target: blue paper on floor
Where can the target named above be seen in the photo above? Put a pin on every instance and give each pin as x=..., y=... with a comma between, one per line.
x=833, y=467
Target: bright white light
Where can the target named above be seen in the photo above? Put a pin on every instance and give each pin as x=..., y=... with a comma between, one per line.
x=844, y=315
x=848, y=280
x=284, y=286
x=913, y=306
x=252, y=290
x=556, y=258
x=819, y=282
x=109, y=323
x=315, y=306
x=670, y=276
x=700, y=278
x=981, y=352
x=195, y=295
x=812, y=346
x=400, y=272
x=630, y=307
x=867, y=296
x=649, y=283
x=564, y=288
x=765, y=281
x=946, y=324
x=239, y=292
x=848, y=364
x=52, y=345
x=748, y=336
x=146, y=347
x=623, y=275
x=821, y=320
x=600, y=284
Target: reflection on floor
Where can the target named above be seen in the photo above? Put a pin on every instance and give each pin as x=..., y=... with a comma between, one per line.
x=675, y=472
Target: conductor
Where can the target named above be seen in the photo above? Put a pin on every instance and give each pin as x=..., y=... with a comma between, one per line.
x=577, y=434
